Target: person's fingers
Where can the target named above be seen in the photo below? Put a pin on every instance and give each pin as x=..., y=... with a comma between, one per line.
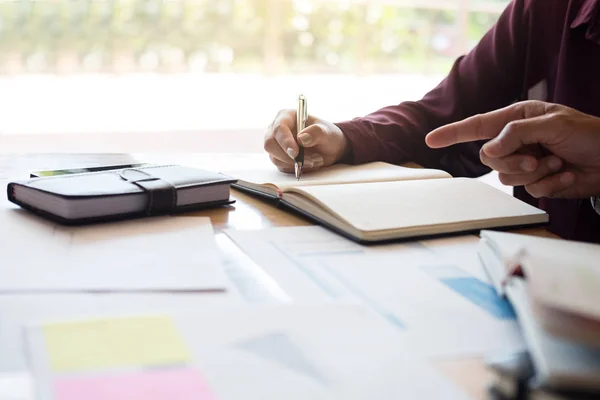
x=546, y=166
x=467, y=130
x=315, y=161
x=274, y=149
x=544, y=129
x=313, y=135
x=283, y=166
x=312, y=160
x=483, y=126
x=559, y=185
x=512, y=164
x=534, y=150
x=281, y=130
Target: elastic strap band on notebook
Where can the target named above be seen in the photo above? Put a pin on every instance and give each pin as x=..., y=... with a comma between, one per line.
x=162, y=196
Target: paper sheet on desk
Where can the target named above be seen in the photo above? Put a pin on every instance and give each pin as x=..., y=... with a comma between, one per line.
x=444, y=309
x=16, y=385
x=165, y=254
x=286, y=352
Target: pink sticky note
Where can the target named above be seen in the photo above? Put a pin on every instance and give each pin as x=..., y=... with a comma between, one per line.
x=180, y=384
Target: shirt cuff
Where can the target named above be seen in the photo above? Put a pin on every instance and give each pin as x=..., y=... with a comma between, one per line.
x=362, y=148
x=596, y=203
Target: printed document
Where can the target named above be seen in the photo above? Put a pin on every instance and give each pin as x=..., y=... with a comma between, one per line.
x=443, y=305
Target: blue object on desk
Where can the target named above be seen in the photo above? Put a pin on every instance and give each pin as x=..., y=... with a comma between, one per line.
x=482, y=295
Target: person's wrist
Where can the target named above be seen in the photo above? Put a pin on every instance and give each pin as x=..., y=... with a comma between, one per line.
x=345, y=154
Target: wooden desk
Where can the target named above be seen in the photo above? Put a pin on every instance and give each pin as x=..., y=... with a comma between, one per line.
x=247, y=213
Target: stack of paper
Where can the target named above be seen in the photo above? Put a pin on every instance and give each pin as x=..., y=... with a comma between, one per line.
x=554, y=286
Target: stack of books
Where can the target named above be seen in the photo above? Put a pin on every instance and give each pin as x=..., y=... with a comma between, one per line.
x=554, y=288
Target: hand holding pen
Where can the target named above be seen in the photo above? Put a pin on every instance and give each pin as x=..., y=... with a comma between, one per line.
x=321, y=142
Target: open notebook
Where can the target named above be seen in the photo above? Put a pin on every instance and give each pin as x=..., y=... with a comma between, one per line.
x=378, y=202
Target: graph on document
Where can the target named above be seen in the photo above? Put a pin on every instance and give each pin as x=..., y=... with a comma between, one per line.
x=479, y=293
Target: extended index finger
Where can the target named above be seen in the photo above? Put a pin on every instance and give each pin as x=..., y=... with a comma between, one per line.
x=481, y=126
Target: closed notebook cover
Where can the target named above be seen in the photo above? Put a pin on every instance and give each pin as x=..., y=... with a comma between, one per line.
x=118, y=194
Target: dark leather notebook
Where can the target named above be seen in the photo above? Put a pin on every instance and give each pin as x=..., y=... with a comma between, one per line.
x=121, y=194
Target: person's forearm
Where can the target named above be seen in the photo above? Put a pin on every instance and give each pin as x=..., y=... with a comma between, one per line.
x=396, y=134
x=489, y=77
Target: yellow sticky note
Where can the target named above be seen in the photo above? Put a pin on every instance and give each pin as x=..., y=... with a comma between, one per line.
x=113, y=343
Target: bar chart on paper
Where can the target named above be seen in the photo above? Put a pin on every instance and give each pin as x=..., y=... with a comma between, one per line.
x=444, y=309
x=479, y=293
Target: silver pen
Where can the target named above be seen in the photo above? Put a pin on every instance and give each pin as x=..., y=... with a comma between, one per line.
x=301, y=119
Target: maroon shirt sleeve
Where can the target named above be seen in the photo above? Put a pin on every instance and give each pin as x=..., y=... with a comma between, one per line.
x=489, y=77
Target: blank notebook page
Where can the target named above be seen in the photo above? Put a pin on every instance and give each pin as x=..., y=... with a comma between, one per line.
x=372, y=172
x=402, y=205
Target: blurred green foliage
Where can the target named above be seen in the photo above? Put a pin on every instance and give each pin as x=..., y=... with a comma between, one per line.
x=236, y=35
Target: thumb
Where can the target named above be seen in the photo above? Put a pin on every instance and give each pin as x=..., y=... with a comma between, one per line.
x=515, y=135
x=313, y=134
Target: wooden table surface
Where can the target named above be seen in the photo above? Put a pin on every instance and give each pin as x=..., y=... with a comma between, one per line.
x=247, y=213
